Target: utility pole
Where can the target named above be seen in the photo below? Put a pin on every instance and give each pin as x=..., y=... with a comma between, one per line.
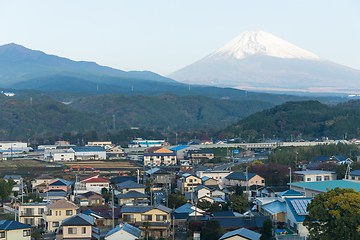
x=247, y=184
x=290, y=176
x=22, y=191
x=112, y=201
x=173, y=237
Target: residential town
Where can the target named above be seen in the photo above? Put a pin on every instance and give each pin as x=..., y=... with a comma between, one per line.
x=171, y=191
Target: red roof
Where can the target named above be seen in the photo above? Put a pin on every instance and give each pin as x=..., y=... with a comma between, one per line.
x=95, y=179
x=89, y=177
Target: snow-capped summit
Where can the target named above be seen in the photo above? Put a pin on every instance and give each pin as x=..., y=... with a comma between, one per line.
x=257, y=60
x=261, y=42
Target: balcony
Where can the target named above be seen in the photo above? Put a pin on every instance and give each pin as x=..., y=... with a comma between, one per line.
x=30, y=214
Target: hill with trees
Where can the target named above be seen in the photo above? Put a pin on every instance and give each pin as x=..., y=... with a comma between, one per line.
x=302, y=119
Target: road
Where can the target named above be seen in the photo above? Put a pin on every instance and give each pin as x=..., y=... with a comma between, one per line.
x=240, y=161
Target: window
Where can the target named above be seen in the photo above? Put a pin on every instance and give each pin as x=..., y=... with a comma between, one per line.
x=50, y=213
x=55, y=224
x=56, y=213
x=40, y=210
x=313, y=194
x=83, y=230
x=327, y=178
x=26, y=233
x=68, y=212
x=59, y=213
x=128, y=218
x=308, y=180
x=352, y=178
x=146, y=217
x=2, y=234
x=72, y=230
x=318, y=178
x=160, y=217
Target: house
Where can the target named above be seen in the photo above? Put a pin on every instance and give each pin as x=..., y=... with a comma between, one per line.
x=12, y=145
x=158, y=217
x=354, y=175
x=90, y=199
x=128, y=186
x=186, y=212
x=54, y=195
x=241, y=234
x=123, y=231
x=88, y=153
x=239, y=178
x=17, y=178
x=310, y=189
x=295, y=214
x=187, y=182
x=208, y=181
x=92, y=183
x=132, y=198
x=59, y=184
x=60, y=156
x=139, y=142
x=10, y=230
x=314, y=175
x=182, y=150
x=79, y=226
x=39, y=183
x=212, y=200
x=219, y=176
x=56, y=212
x=103, y=216
x=159, y=156
x=198, y=156
x=32, y=213
x=116, y=152
x=277, y=209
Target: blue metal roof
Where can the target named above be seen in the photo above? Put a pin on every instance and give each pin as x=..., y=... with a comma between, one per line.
x=242, y=232
x=177, y=148
x=355, y=173
x=275, y=207
x=290, y=193
x=324, y=186
x=88, y=149
x=186, y=208
x=12, y=225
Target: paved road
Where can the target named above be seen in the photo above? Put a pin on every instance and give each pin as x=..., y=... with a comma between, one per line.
x=240, y=161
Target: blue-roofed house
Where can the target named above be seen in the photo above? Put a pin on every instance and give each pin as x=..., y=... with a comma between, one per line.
x=123, y=231
x=10, y=230
x=185, y=212
x=182, y=150
x=88, y=153
x=79, y=226
x=241, y=234
x=59, y=184
x=354, y=175
x=295, y=214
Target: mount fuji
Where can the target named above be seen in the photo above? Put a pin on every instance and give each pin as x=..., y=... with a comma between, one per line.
x=257, y=60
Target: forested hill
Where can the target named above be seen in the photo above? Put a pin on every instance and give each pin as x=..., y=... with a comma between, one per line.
x=22, y=119
x=170, y=112
x=307, y=119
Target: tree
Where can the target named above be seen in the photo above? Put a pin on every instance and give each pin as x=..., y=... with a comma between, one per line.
x=334, y=215
x=239, y=191
x=266, y=232
x=238, y=203
x=212, y=230
x=176, y=201
x=146, y=225
x=204, y=205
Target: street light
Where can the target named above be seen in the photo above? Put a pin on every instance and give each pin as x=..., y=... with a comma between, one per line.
x=290, y=175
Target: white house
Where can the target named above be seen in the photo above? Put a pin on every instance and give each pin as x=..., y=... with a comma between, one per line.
x=295, y=214
x=217, y=175
x=92, y=183
x=123, y=231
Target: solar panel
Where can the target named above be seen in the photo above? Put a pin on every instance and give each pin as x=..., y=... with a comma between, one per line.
x=300, y=206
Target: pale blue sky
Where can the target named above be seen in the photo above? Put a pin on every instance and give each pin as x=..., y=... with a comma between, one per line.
x=164, y=36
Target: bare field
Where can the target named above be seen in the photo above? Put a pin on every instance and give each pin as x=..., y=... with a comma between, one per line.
x=32, y=168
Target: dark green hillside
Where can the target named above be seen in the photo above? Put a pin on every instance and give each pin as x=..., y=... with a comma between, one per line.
x=305, y=118
x=176, y=112
x=45, y=117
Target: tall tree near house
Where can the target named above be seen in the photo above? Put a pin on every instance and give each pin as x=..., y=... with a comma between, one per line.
x=334, y=215
x=146, y=225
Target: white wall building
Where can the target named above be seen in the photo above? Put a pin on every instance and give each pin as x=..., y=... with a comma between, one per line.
x=217, y=175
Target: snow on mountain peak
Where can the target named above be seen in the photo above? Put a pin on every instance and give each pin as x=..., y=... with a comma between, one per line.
x=261, y=42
